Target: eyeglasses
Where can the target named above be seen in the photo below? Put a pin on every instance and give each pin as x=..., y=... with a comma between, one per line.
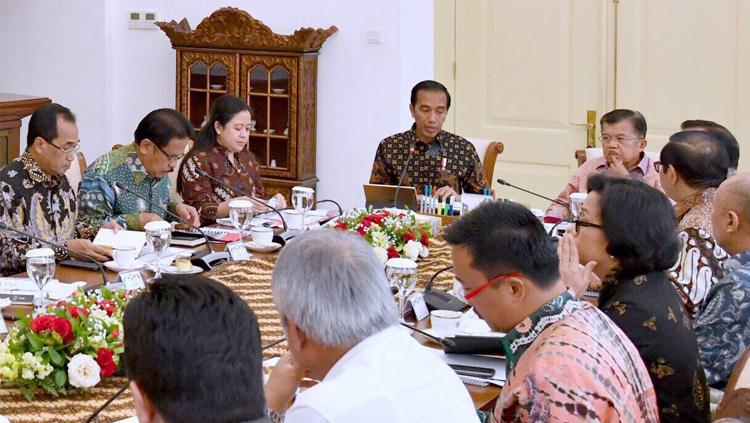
x=620, y=139
x=474, y=292
x=72, y=149
x=170, y=157
x=583, y=224
x=658, y=167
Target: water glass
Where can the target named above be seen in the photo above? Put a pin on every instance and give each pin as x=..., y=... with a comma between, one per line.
x=158, y=237
x=40, y=266
x=302, y=201
x=241, y=214
x=402, y=273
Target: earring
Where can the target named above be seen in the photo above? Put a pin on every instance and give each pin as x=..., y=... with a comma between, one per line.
x=218, y=132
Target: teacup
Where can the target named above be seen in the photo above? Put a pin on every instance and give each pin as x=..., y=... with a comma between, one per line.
x=262, y=236
x=125, y=256
x=445, y=322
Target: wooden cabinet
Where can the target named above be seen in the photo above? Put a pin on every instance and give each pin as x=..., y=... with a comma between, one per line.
x=230, y=52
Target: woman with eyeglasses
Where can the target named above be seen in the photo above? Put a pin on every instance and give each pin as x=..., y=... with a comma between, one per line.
x=624, y=242
x=693, y=164
x=221, y=151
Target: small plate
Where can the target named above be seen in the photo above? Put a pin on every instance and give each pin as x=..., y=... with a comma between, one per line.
x=173, y=270
x=278, y=90
x=216, y=86
x=270, y=131
x=265, y=249
x=112, y=265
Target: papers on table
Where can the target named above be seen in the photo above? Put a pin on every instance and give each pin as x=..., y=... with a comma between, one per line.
x=495, y=363
x=167, y=257
x=121, y=239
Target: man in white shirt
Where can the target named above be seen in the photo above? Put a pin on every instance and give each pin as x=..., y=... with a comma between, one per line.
x=342, y=328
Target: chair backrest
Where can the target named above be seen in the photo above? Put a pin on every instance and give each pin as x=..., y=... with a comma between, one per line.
x=590, y=153
x=488, y=150
x=736, y=401
x=76, y=170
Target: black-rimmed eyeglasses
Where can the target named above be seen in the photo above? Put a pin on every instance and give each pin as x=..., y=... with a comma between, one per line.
x=583, y=224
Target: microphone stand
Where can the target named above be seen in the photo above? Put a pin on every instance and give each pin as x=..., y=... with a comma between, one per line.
x=401, y=178
x=6, y=226
x=117, y=394
x=439, y=300
x=205, y=261
x=561, y=203
x=281, y=238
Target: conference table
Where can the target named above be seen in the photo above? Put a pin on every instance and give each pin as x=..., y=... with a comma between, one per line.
x=251, y=281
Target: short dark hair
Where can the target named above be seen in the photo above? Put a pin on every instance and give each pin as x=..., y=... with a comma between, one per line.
x=698, y=157
x=43, y=122
x=162, y=126
x=430, y=85
x=618, y=115
x=193, y=347
x=625, y=205
x=729, y=142
x=699, y=123
x=503, y=237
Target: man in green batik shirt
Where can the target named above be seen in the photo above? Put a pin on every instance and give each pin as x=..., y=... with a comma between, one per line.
x=143, y=167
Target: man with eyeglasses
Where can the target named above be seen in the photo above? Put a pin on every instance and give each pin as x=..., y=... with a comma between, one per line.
x=623, y=140
x=565, y=359
x=142, y=167
x=36, y=197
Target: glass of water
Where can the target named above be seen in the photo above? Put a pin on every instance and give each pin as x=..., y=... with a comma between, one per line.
x=402, y=273
x=241, y=214
x=302, y=201
x=40, y=266
x=158, y=237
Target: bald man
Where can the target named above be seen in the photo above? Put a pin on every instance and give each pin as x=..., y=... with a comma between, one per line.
x=723, y=327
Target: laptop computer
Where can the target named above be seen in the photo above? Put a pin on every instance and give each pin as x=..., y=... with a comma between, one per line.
x=380, y=196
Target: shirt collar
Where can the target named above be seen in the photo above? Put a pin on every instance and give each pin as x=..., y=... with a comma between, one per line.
x=36, y=173
x=518, y=340
x=367, y=343
x=683, y=206
x=736, y=261
x=135, y=165
x=413, y=135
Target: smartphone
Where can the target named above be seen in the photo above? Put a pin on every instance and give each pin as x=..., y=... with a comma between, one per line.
x=483, y=372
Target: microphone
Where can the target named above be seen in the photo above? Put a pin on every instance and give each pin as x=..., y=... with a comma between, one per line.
x=6, y=226
x=281, y=238
x=562, y=203
x=440, y=300
x=205, y=261
x=403, y=173
x=341, y=211
x=445, y=342
x=117, y=394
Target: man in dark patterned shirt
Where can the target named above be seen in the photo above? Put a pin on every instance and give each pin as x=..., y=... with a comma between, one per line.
x=35, y=195
x=438, y=158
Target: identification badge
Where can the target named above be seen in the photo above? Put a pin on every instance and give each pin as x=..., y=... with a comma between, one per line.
x=238, y=251
x=132, y=280
x=419, y=306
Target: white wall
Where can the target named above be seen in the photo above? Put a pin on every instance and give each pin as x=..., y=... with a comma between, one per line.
x=111, y=76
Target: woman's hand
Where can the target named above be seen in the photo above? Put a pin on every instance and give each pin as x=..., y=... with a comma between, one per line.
x=576, y=277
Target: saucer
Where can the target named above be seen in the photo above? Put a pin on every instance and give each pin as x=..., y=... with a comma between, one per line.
x=216, y=86
x=113, y=266
x=173, y=270
x=278, y=90
x=265, y=249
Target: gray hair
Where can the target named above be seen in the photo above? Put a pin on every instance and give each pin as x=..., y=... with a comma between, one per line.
x=331, y=284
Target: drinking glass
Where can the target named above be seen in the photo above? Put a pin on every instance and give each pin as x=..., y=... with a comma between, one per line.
x=40, y=266
x=241, y=214
x=302, y=201
x=402, y=273
x=158, y=236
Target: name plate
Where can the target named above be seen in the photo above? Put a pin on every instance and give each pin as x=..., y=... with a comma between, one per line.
x=238, y=251
x=419, y=306
x=132, y=280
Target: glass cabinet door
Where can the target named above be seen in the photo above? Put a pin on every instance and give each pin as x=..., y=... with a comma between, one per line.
x=208, y=77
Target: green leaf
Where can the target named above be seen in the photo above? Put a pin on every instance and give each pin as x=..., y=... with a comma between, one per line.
x=60, y=379
x=35, y=341
x=56, y=358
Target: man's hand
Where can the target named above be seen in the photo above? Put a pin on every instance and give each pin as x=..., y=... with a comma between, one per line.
x=87, y=247
x=446, y=191
x=617, y=167
x=280, y=201
x=113, y=226
x=576, y=277
x=283, y=383
x=188, y=213
x=144, y=218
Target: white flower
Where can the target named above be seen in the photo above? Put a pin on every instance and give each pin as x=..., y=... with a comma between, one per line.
x=381, y=253
x=27, y=374
x=379, y=239
x=425, y=252
x=412, y=249
x=83, y=371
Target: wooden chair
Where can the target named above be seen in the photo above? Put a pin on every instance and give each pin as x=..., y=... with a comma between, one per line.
x=76, y=170
x=736, y=401
x=488, y=151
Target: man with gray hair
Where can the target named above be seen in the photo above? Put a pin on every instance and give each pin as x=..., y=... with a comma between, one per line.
x=342, y=328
